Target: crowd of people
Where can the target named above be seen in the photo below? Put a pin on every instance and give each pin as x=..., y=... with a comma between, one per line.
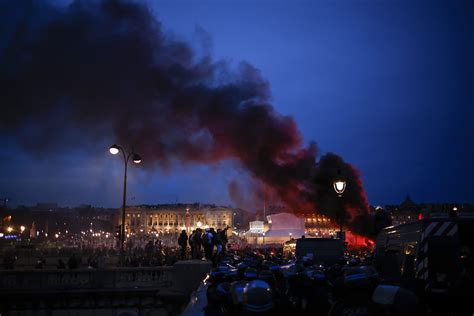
x=153, y=252
x=209, y=244
x=141, y=250
x=251, y=281
x=263, y=282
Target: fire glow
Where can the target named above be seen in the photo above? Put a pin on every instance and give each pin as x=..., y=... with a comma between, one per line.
x=358, y=241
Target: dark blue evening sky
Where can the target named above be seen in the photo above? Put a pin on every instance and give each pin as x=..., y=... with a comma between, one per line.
x=388, y=85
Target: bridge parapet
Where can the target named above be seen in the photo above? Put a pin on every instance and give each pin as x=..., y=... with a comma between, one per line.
x=111, y=278
x=111, y=291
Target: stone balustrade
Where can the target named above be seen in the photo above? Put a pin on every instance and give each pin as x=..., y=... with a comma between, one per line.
x=111, y=291
x=111, y=278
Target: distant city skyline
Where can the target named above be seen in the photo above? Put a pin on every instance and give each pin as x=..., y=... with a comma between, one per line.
x=279, y=207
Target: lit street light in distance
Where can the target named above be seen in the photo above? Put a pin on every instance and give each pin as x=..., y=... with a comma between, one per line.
x=9, y=229
x=22, y=228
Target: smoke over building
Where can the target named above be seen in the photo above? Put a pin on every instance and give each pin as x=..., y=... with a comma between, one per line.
x=105, y=70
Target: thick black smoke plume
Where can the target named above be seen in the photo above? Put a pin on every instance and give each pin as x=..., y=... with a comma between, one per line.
x=106, y=69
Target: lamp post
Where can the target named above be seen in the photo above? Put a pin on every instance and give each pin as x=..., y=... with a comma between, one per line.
x=22, y=229
x=453, y=212
x=339, y=187
x=115, y=149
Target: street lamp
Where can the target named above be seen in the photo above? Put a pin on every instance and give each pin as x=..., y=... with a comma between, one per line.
x=340, y=187
x=22, y=228
x=114, y=150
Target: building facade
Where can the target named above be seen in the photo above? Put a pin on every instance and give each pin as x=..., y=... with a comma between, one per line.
x=409, y=211
x=171, y=218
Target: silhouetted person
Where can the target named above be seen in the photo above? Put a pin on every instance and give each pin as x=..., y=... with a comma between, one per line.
x=191, y=244
x=218, y=242
x=149, y=250
x=197, y=243
x=225, y=240
x=183, y=243
x=207, y=243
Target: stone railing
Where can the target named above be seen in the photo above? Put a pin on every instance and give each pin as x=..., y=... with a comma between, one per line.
x=111, y=278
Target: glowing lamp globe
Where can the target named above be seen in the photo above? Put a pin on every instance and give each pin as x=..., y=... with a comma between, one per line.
x=114, y=149
x=137, y=159
x=339, y=186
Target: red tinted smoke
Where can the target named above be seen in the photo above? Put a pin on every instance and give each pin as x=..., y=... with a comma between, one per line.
x=104, y=71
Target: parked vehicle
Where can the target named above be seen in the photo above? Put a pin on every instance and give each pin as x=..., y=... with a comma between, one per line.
x=321, y=250
x=433, y=257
